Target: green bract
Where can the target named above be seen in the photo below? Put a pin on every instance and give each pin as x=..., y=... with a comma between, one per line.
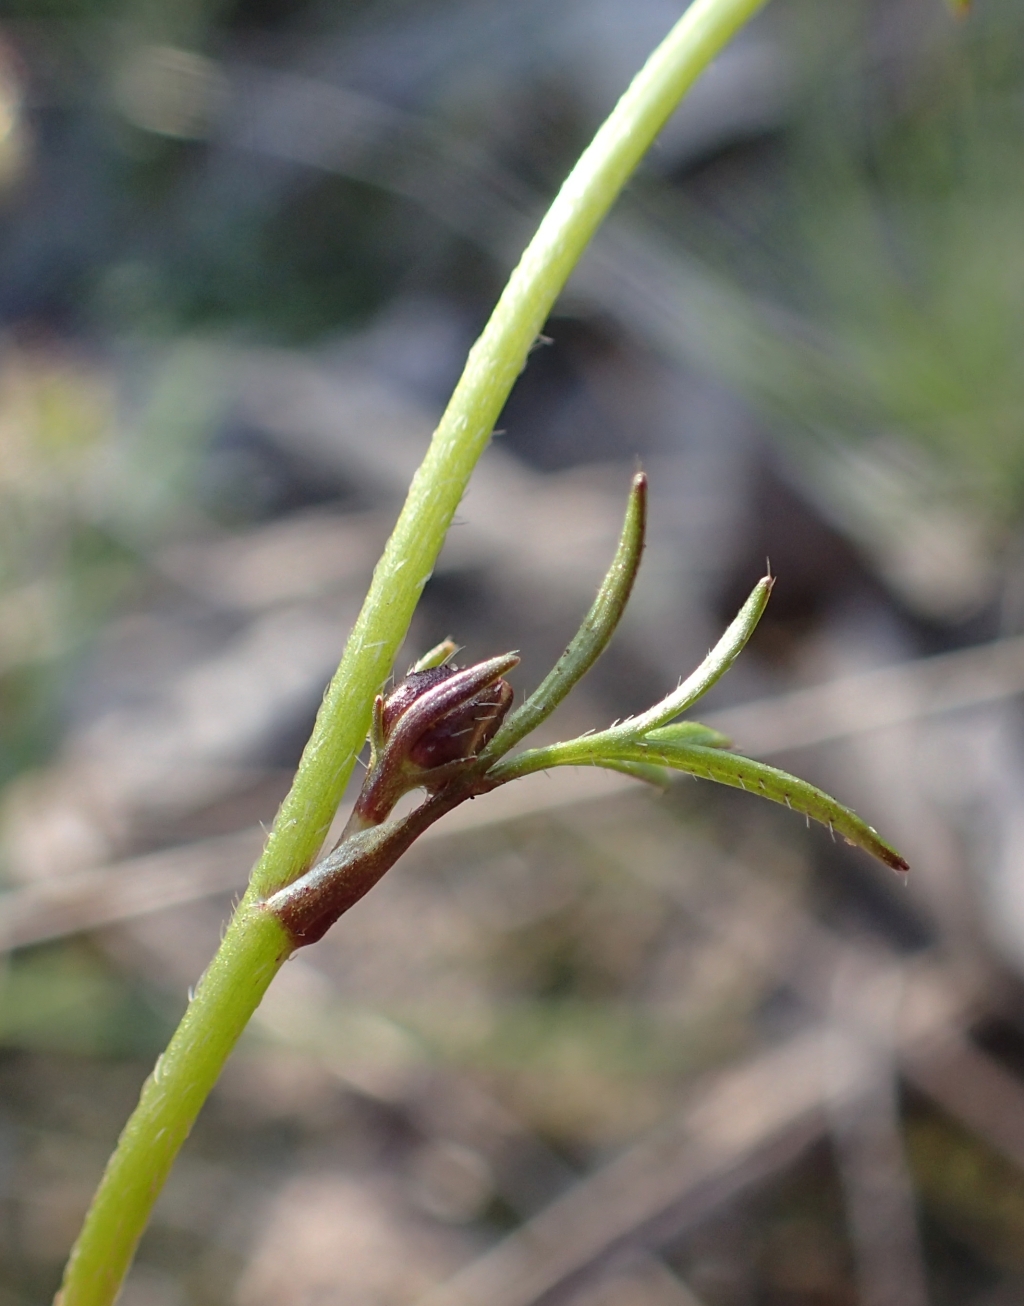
x=644, y=746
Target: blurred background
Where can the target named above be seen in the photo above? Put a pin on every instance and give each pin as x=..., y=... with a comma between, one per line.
x=586, y=1044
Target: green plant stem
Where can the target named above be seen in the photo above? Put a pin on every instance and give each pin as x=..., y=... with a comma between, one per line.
x=247, y=959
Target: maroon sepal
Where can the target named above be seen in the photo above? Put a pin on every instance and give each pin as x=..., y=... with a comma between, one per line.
x=427, y=729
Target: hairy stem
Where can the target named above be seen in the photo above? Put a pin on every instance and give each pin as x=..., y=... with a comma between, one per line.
x=252, y=948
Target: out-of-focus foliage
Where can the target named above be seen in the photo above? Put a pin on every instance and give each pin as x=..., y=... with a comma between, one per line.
x=54, y=563
x=881, y=265
x=88, y=483
x=972, y=1191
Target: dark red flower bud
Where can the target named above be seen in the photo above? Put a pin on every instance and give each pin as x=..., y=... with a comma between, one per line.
x=429, y=724
x=459, y=733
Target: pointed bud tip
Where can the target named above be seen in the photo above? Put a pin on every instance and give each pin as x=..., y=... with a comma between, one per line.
x=503, y=662
x=447, y=713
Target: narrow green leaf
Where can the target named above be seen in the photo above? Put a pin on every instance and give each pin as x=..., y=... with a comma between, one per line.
x=708, y=763
x=711, y=670
x=590, y=641
x=779, y=786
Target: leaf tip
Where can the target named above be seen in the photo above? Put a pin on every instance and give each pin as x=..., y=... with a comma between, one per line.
x=894, y=860
x=638, y=509
x=440, y=655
